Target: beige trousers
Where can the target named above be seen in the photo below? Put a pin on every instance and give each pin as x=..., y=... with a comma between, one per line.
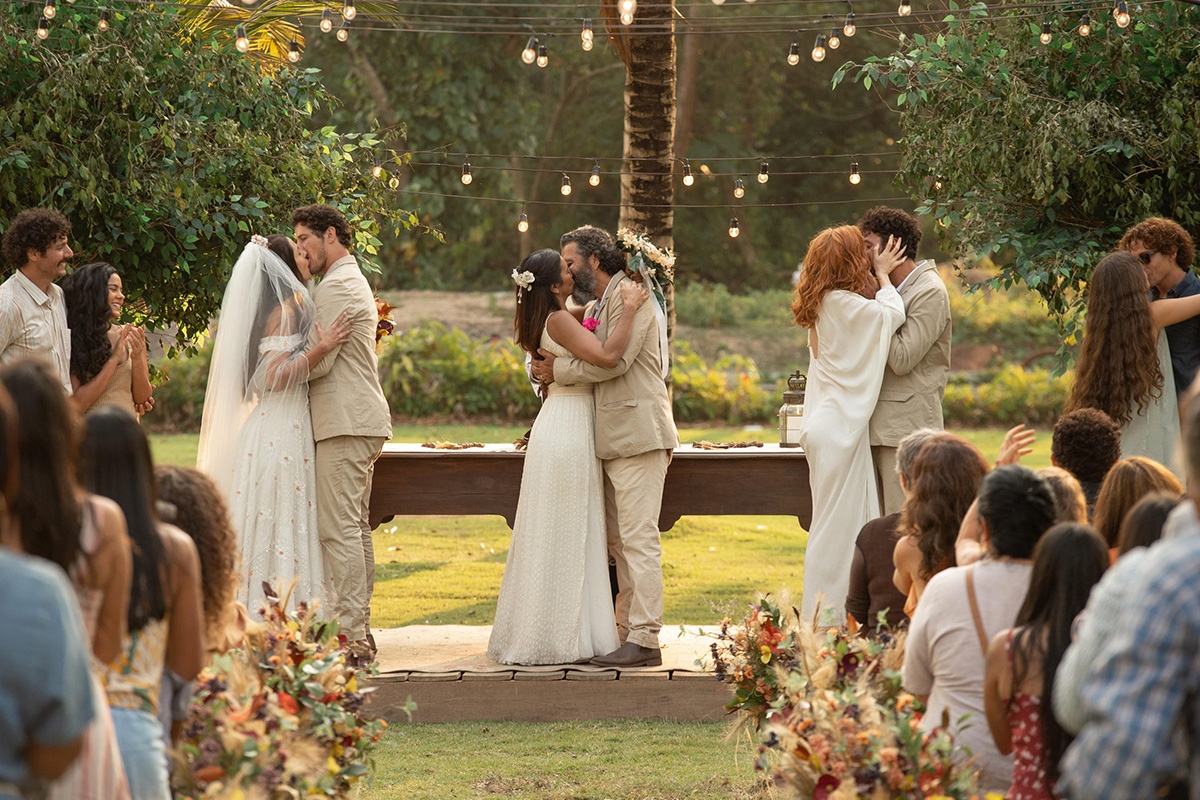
x=633, y=490
x=890, y=493
x=345, y=466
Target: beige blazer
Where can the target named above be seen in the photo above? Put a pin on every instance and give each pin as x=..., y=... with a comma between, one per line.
x=633, y=411
x=343, y=389
x=918, y=361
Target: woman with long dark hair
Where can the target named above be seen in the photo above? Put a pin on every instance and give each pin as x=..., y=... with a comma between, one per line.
x=555, y=604
x=851, y=310
x=1022, y=661
x=109, y=365
x=165, y=617
x=1124, y=365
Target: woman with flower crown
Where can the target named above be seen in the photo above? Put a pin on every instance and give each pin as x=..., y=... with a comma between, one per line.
x=256, y=438
x=555, y=604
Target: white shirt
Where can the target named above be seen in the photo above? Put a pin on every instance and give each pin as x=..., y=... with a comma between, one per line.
x=34, y=323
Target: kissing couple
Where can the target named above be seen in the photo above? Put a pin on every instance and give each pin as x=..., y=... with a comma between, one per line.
x=594, y=468
x=298, y=481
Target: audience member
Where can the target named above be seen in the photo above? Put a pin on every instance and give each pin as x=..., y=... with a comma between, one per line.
x=1129, y=481
x=919, y=357
x=1145, y=523
x=1086, y=443
x=33, y=313
x=871, y=587
x=1022, y=661
x=946, y=476
x=1070, y=505
x=963, y=607
x=165, y=611
x=1165, y=251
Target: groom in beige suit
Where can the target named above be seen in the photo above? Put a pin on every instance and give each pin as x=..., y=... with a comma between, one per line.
x=919, y=357
x=350, y=419
x=635, y=434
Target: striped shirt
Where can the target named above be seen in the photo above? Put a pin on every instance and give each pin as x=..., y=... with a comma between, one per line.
x=34, y=323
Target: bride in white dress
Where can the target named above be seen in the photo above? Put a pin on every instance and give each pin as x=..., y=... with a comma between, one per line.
x=256, y=439
x=851, y=319
x=555, y=604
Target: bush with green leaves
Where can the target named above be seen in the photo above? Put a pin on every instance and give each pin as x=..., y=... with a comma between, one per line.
x=1009, y=396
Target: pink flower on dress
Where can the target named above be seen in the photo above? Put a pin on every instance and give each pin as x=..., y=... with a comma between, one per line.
x=591, y=323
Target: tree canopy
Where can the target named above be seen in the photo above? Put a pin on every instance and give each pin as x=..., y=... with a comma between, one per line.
x=166, y=152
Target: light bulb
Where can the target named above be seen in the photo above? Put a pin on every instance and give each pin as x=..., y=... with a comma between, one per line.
x=818, y=51
x=733, y=228
x=595, y=179
x=466, y=174
x=326, y=21
x=542, y=58
x=1122, y=14
x=294, y=51
x=378, y=170
x=849, y=28
x=937, y=183
x=1046, y=36
x=530, y=51
x=718, y=2
x=905, y=8
x=834, y=41
x=794, y=53
x=43, y=28
x=344, y=32
x=49, y=11
x=855, y=178
x=349, y=11
x=241, y=42
x=688, y=177
x=1085, y=25
x=739, y=189
x=394, y=182
x=103, y=24
x=627, y=6
x=566, y=186
x=627, y=19
x=764, y=172
x=586, y=36
x=523, y=223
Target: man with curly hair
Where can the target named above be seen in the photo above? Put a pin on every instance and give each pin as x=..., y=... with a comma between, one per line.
x=1166, y=252
x=33, y=312
x=919, y=357
x=1086, y=443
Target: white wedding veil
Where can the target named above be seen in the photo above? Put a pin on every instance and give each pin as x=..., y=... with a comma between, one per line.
x=262, y=334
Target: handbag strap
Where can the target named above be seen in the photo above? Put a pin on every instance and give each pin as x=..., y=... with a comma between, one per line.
x=983, y=642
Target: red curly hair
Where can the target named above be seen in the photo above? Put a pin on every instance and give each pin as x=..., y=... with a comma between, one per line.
x=836, y=259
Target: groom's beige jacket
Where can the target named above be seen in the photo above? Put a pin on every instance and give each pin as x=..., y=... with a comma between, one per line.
x=633, y=411
x=343, y=388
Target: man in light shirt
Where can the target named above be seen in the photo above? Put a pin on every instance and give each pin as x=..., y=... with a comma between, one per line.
x=33, y=313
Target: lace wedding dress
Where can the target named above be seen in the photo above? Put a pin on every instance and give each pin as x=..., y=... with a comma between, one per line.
x=555, y=604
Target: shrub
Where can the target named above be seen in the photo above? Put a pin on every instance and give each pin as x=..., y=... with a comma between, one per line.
x=1013, y=395
x=179, y=391
x=729, y=390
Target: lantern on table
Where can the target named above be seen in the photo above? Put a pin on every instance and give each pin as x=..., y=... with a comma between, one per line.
x=792, y=411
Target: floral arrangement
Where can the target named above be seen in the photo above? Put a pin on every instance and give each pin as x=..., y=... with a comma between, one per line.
x=749, y=658
x=279, y=718
x=655, y=265
x=385, y=326
x=591, y=323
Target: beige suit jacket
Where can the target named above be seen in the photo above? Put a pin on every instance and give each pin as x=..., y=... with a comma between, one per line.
x=918, y=361
x=633, y=411
x=343, y=389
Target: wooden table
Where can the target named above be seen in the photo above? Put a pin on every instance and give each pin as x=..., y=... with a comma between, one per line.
x=411, y=479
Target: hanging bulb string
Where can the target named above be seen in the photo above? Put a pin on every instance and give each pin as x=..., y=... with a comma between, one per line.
x=468, y=169
x=446, y=154
x=594, y=204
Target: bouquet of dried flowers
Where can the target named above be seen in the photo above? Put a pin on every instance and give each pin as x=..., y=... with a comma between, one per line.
x=281, y=717
x=655, y=265
x=385, y=326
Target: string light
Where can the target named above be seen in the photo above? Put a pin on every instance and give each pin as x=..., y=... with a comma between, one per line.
x=349, y=12
x=394, y=182
x=1046, y=36
x=818, y=51
x=326, y=20
x=293, y=51
x=378, y=170
x=103, y=24
x=937, y=182
x=344, y=32
x=688, y=177
x=849, y=29
x=566, y=185
x=733, y=228
x=1122, y=14
x=794, y=53
x=627, y=9
x=530, y=51
x=834, y=41
x=739, y=189
x=905, y=8
x=718, y=2
x=595, y=179
x=542, y=60
x=1085, y=24
x=241, y=42
x=627, y=19
x=43, y=28
x=49, y=11
x=466, y=174
x=764, y=172
x=855, y=177
x=586, y=36
x=523, y=223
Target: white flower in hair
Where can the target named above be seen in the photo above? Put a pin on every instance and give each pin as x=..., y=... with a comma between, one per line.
x=261, y=241
x=522, y=279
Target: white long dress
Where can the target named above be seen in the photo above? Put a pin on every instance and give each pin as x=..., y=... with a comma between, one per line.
x=273, y=496
x=555, y=604
x=844, y=377
x=1154, y=432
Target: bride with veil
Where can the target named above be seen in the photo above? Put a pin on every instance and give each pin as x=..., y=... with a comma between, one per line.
x=256, y=438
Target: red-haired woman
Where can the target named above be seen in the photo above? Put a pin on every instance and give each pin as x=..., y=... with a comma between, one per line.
x=850, y=315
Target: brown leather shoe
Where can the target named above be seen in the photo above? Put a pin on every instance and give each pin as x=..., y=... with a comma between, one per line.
x=630, y=655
